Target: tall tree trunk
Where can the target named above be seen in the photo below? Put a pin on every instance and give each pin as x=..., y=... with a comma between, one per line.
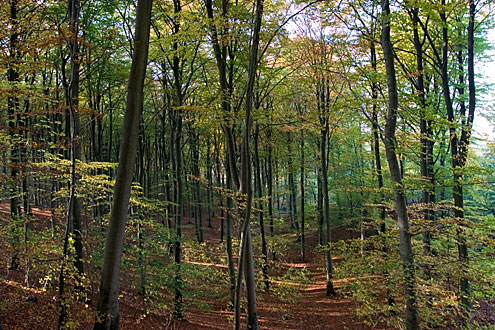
x=209, y=192
x=74, y=7
x=108, y=304
x=259, y=195
x=13, y=109
x=243, y=182
x=228, y=235
x=140, y=174
x=379, y=173
x=302, y=237
x=320, y=203
x=246, y=188
x=176, y=119
x=405, y=249
x=292, y=186
x=199, y=211
x=330, y=291
x=73, y=225
x=219, y=180
x=459, y=145
x=270, y=181
x=425, y=139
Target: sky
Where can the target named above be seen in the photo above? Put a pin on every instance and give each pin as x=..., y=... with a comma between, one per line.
x=486, y=104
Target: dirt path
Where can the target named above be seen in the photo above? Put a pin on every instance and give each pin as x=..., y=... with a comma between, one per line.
x=313, y=309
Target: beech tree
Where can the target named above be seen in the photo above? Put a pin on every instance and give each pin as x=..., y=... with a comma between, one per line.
x=390, y=140
x=108, y=304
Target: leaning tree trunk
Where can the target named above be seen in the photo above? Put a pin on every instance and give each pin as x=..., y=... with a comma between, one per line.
x=108, y=303
x=405, y=249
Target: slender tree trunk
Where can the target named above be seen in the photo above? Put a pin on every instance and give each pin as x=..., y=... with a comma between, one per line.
x=198, y=190
x=209, y=193
x=74, y=7
x=320, y=205
x=176, y=119
x=108, y=305
x=219, y=176
x=73, y=225
x=330, y=291
x=246, y=183
x=13, y=110
x=292, y=186
x=303, y=251
x=242, y=182
x=406, y=253
x=379, y=173
x=270, y=182
x=259, y=194
x=425, y=138
x=140, y=174
x=459, y=146
x=228, y=236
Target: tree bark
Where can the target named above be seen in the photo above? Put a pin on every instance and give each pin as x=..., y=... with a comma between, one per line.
x=459, y=146
x=425, y=157
x=405, y=249
x=246, y=182
x=292, y=186
x=73, y=222
x=270, y=181
x=13, y=109
x=243, y=182
x=330, y=291
x=303, y=251
x=259, y=194
x=108, y=304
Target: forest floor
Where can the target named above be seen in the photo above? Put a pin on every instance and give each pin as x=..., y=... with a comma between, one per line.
x=28, y=308
x=312, y=310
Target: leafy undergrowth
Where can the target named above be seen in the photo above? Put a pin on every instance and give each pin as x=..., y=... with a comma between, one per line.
x=296, y=299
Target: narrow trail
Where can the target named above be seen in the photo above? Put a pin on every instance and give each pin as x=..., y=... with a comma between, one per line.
x=313, y=309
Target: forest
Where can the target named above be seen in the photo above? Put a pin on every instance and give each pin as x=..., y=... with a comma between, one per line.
x=246, y=164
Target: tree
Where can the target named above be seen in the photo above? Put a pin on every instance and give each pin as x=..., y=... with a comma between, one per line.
x=73, y=225
x=108, y=305
x=406, y=253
